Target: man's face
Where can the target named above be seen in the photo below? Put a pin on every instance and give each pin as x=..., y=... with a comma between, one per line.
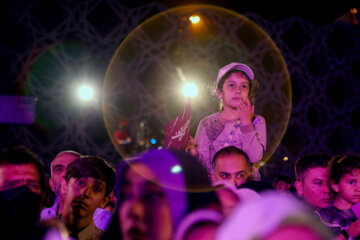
x=17, y=175
x=314, y=188
x=84, y=195
x=232, y=168
x=144, y=212
x=58, y=169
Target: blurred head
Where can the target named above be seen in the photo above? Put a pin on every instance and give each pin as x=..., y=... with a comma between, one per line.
x=110, y=206
x=22, y=186
x=231, y=164
x=152, y=193
x=19, y=166
x=294, y=232
x=312, y=179
x=345, y=178
x=144, y=212
x=273, y=216
x=58, y=168
x=89, y=181
x=282, y=183
x=228, y=197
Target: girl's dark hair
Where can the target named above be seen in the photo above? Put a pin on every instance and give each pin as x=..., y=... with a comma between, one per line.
x=341, y=165
x=199, y=192
x=253, y=85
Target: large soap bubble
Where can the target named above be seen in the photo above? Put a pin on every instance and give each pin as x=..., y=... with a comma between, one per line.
x=142, y=89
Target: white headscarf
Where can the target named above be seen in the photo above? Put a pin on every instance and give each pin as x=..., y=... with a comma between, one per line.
x=257, y=218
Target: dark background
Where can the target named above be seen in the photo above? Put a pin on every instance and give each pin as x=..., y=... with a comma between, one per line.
x=317, y=12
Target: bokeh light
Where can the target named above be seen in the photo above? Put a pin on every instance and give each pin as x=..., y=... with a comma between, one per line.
x=176, y=169
x=55, y=76
x=86, y=93
x=190, y=90
x=194, y=19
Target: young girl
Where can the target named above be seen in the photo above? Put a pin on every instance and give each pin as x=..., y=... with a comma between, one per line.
x=345, y=181
x=235, y=124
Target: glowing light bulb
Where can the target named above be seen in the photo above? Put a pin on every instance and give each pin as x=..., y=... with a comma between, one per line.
x=190, y=90
x=194, y=19
x=176, y=169
x=86, y=93
x=286, y=159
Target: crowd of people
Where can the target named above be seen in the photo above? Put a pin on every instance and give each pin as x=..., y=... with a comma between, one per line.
x=213, y=192
x=167, y=194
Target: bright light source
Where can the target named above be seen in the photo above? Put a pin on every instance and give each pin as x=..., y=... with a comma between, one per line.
x=286, y=159
x=86, y=93
x=261, y=163
x=176, y=169
x=194, y=19
x=153, y=141
x=190, y=90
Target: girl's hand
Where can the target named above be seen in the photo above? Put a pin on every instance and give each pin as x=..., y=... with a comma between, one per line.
x=246, y=111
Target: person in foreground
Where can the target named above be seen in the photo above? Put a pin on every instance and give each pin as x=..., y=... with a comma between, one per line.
x=22, y=192
x=155, y=190
x=89, y=182
x=274, y=216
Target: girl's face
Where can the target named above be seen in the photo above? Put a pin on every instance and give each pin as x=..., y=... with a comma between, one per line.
x=234, y=90
x=144, y=211
x=348, y=188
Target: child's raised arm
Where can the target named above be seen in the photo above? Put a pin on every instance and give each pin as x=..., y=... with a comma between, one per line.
x=254, y=141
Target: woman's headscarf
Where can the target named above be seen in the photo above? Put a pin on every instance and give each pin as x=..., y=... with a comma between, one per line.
x=181, y=176
x=258, y=218
x=168, y=173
